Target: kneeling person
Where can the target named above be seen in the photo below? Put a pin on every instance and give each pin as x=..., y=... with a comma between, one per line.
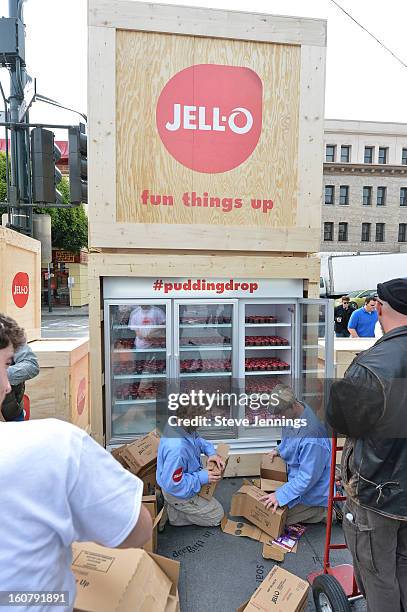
x=307, y=452
x=181, y=476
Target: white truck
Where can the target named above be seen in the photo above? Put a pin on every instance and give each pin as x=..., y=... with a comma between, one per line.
x=341, y=274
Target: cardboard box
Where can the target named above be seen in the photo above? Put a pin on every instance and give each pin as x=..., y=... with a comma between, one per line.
x=246, y=502
x=280, y=591
x=110, y=580
x=273, y=469
x=269, y=485
x=150, y=502
x=245, y=530
x=141, y=455
x=208, y=490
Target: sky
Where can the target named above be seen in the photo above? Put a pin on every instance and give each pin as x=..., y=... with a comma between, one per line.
x=363, y=81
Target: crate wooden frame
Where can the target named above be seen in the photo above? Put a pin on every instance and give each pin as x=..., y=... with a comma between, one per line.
x=149, y=264
x=108, y=16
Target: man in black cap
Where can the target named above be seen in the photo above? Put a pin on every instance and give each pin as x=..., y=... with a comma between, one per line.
x=370, y=406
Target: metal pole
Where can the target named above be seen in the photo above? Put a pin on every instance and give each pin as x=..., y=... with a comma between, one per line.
x=49, y=289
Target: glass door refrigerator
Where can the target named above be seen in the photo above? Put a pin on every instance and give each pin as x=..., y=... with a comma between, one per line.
x=234, y=346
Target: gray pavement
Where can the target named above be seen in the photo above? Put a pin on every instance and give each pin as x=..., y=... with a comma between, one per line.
x=62, y=326
x=224, y=571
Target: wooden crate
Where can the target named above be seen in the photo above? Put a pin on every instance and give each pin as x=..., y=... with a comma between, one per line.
x=20, y=280
x=274, y=67
x=161, y=264
x=61, y=390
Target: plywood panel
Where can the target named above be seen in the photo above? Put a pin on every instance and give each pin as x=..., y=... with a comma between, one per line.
x=143, y=162
x=203, y=22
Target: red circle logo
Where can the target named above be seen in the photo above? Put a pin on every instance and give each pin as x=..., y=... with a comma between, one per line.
x=21, y=289
x=177, y=475
x=209, y=117
x=81, y=396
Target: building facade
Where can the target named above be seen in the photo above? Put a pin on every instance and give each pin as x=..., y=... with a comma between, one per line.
x=364, y=203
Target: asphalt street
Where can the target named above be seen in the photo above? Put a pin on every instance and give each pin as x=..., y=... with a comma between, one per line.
x=64, y=327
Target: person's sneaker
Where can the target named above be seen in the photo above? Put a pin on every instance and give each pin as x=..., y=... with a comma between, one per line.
x=163, y=519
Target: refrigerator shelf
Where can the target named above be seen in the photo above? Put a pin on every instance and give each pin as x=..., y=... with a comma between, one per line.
x=133, y=327
x=146, y=350
x=135, y=401
x=206, y=347
x=277, y=347
x=137, y=376
x=267, y=373
x=196, y=374
x=203, y=325
x=267, y=324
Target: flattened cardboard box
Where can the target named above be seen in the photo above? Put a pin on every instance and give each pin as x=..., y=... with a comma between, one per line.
x=246, y=502
x=116, y=580
x=245, y=530
x=273, y=468
x=208, y=490
x=280, y=591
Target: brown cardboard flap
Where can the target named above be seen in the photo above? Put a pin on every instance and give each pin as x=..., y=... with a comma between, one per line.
x=273, y=468
x=170, y=568
x=247, y=503
x=241, y=529
x=172, y=604
x=208, y=490
x=270, y=551
x=270, y=485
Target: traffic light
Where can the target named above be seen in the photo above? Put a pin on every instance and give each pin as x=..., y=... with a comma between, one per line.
x=78, y=164
x=45, y=175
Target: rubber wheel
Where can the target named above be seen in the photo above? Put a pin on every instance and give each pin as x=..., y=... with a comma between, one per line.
x=328, y=595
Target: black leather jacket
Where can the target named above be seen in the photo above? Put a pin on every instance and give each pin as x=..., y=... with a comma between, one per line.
x=370, y=407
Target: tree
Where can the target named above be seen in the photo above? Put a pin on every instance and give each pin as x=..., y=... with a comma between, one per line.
x=69, y=226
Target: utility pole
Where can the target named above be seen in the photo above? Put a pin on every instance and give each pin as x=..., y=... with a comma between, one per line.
x=20, y=188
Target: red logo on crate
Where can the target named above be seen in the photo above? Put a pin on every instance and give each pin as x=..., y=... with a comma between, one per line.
x=21, y=289
x=177, y=475
x=209, y=117
x=81, y=396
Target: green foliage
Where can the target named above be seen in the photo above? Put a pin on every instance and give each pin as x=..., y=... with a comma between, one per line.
x=3, y=184
x=69, y=226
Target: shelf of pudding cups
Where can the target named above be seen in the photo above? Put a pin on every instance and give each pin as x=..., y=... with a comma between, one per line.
x=266, y=342
x=267, y=365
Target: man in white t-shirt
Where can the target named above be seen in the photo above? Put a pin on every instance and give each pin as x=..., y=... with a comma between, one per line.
x=57, y=486
x=141, y=319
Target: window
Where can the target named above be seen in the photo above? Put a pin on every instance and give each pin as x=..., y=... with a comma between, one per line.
x=330, y=153
x=366, y=232
x=381, y=196
x=403, y=196
x=379, y=232
x=344, y=194
x=404, y=157
x=342, y=232
x=328, y=231
x=367, y=196
x=369, y=154
x=345, y=154
x=329, y=194
x=402, y=232
x=383, y=154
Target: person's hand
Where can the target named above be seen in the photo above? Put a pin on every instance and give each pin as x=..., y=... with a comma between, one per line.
x=213, y=477
x=218, y=461
x=272, y=454
x=270, y=501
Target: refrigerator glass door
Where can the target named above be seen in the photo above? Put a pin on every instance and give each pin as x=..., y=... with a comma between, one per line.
x=205, y=357
x=138, y=358
x=267, y=359
x=315, y=336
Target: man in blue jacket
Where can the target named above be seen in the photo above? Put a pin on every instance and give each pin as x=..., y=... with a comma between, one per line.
x=181, y=476
x=307, y=452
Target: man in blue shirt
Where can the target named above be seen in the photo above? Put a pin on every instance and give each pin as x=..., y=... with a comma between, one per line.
x=181, y=476
x=363, y=320
x=307, y=453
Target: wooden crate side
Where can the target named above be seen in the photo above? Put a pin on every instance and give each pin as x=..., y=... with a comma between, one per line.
x=96, y=365
x=197, y=21
x=49, y=394
x=20, y=259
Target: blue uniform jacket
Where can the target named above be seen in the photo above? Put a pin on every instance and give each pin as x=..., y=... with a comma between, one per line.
x=307, y=453
x=179, y=468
